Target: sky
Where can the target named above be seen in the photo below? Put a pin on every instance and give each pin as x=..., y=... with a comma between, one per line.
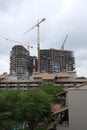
x=62, y=17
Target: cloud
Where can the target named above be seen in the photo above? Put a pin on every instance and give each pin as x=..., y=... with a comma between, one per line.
x=4, y=67
x=62, y=17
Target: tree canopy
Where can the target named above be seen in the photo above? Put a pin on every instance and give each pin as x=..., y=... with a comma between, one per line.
x=51, y=88
x=31, y=106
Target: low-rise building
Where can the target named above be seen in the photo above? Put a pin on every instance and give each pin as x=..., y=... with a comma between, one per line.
x=3, y=76
x=63, y=79
x=72, y=114
x=19, y=84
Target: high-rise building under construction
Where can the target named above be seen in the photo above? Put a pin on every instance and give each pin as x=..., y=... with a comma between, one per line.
x=54, y=61
x=22, y=65
x=19, y=61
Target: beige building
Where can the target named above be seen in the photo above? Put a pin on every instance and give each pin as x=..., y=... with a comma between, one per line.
x=63, y=79
x=66, y=79
x=72, y=114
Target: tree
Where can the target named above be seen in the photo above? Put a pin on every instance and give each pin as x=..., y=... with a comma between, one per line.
x=8, y=106
x=51, y=89
x=33, y=107
x=23, y=106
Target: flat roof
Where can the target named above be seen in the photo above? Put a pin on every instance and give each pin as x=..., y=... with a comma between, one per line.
x=44, y=76
x=63, y=74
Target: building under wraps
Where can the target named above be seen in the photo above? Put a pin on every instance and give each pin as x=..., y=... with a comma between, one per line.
x=54, y=61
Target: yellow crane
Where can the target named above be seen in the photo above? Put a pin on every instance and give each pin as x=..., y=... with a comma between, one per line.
x=62, y=48
x=38, y=39
x=28, y=46
x=61, y=53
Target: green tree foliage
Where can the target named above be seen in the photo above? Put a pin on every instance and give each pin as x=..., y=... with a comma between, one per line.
x=32, y=106
x=8, y=106
x=51, y=89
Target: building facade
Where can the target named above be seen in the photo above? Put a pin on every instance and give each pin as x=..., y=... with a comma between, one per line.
x=19, y=61
x=32, y=67
x=72, y=114
x=54, y=61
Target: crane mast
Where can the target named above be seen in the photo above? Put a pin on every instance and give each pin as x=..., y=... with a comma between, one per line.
x=61, y=53
x=38, y=39
x=64, y=42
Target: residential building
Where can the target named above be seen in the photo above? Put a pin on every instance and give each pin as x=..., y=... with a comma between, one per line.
x=19, y=84
x=72, y=114
x=3, y=76
x=32, y=67
x=63, y=79
x=19, y=60
x=21, y=63
x=54, y=61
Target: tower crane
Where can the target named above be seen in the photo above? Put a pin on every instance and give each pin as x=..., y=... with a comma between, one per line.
x=62, y=48
x=61, y=53
x=28, y=46
x=38, y=39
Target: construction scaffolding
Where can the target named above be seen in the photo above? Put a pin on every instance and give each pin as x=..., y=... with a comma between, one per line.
x=19, y=60
x=22, y=65
x=54, y=61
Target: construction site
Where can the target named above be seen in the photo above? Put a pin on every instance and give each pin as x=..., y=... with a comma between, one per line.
x=51, y=61
x=19, y=60
x=55, y=61
x=23, y=65
x=52, y=65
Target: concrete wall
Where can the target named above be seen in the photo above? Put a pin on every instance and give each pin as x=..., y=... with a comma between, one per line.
x=77, y=102
x=83, y=87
